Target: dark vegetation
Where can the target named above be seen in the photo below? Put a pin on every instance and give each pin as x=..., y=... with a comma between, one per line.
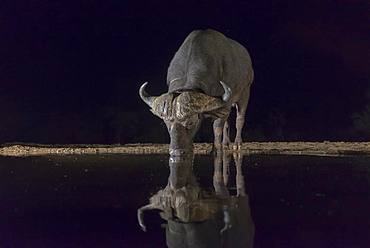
x=116, y=125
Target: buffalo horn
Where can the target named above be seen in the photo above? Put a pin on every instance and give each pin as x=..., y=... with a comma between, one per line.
x=145, y=96
x=227, y=92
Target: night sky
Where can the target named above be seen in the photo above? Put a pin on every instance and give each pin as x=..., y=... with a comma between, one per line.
x=70, y=70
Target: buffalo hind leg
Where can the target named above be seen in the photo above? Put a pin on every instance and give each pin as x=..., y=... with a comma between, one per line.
x=218, y=126
x=241, y=108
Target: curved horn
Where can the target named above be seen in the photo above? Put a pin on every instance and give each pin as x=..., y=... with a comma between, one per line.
x=227, y=92
x=145, y=96
x=140, y=215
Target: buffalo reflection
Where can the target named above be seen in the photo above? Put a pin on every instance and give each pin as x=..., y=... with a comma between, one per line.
x=197, y=217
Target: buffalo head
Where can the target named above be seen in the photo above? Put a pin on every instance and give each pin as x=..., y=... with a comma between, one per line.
x=183, y=111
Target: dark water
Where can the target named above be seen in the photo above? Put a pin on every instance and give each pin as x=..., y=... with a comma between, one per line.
x=92, y=201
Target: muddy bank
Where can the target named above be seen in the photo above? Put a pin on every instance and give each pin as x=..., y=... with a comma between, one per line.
x=293, y=148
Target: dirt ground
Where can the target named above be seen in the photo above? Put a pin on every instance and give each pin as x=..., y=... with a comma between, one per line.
x=290, y=148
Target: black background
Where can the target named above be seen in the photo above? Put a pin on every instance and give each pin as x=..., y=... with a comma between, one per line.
x=70, y=71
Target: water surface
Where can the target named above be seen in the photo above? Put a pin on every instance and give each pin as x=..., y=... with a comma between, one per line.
x=91, y=201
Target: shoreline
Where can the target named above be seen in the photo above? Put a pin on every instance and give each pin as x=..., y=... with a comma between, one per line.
x=263, y=148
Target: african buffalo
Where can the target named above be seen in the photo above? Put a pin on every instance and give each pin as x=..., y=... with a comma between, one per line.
x=208, y=75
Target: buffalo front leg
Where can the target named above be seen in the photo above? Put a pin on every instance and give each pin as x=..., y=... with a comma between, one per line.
x=218, y=126
x=225, y=137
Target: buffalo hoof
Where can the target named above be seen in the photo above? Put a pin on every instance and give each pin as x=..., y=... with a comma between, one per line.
x=220, y=147
x=217, y=146
x=226, y=146
x=217, y=149
x=237, y=146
